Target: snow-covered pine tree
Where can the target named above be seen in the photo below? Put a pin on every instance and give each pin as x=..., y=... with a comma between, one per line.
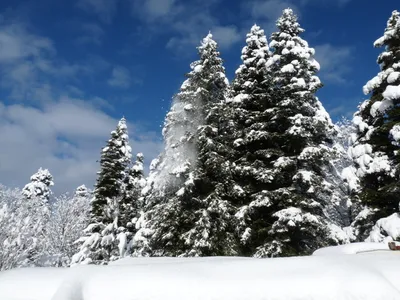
x=83, y=192
x=376, y=148
x=252, y=84
x=106, y=238
x=114, y=161
x=133, y=200
x=213, y=230
x=185, y=214
x=251, y=97
x=39, y=187
x=141, y=240
x=285, y=154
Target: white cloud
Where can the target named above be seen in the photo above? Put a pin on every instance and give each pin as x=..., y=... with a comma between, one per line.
x=93, y=34
x=48, y=127
x=266, y=12
x=226, y=36
x=158, y=8
x=28, y=62
x=16, y=43
x=270, y=10
x=105, y=9
x=191, y=32
x=120, y=77
x=64, y=136
x=187, y=21
x=334, y=61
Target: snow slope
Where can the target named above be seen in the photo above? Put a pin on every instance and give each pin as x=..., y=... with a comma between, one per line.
x=335, y=277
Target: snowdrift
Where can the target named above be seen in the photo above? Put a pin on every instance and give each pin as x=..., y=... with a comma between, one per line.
x=370, y=276
x=354, y=248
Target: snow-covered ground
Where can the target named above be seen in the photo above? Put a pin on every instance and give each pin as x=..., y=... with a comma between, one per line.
x=318, y=277
x=354, y=248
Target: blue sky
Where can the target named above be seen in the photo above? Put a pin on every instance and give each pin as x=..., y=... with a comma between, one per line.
x=70, y=69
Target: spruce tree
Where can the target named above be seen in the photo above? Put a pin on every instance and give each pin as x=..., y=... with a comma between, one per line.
x=82, y=192
x=186, y=215
x=107, y=238
x=252, y=84
x=114, y=161
x=133, y=201
x=251, y=96
x=376, y=148
x=39, y=187
x=284, y=152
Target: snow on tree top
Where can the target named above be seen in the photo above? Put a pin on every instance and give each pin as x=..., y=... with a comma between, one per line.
x=81, y=191
x=392, y=28
x=207, y=41
x=43, y=175
x=39, y=185
x=122, y=124
x=288, y=23
x=256, y=37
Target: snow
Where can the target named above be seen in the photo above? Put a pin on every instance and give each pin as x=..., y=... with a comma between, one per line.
x=330, y=277
x=380, y=107
x=392, y=92
x=353, y=248
x=395, y=134
x=386, y=229
x=198, y=68
x=289, y=68
x=349, y=174
x=393, y=77
x=373, y=84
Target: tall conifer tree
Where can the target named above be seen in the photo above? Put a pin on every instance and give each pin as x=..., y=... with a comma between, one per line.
x=376, y=148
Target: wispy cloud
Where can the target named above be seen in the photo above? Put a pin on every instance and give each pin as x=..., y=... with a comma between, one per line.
x=334, y=2
x=334, y=61
x=187, y=22
x=16, y=43
x=120, y=77
x=104, y=9
x=55, y=124
x=65, y=136
x=153, y=9
x=343, y=107
x=92, y=34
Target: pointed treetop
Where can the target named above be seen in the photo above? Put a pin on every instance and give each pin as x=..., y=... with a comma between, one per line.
x=82, y=191
x=140, y=157
x=207, y=41
x=393, y=20
x=122, y=123
x=256, y=38
x=288, y=23
x=392, y=31
x=39, y=185
x=43, y=175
